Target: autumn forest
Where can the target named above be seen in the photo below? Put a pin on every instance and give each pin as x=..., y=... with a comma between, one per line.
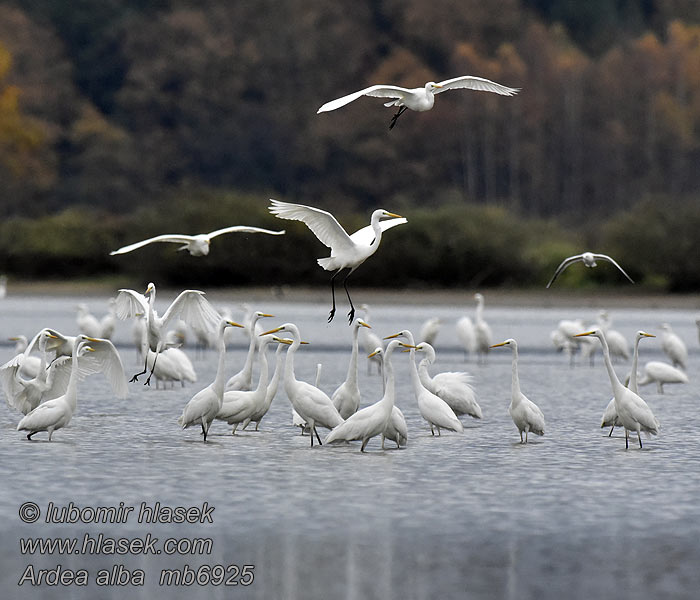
x=123, y=119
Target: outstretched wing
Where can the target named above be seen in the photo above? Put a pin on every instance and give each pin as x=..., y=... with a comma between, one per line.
x=322, y=223
x=130, y=303
x=475, y=83
x=166, y=237
x=242, y=229
x=380, y=91
x=194, y=309
x=9, y=379
x=565, y=263
x=365, y=236
x=609, y=259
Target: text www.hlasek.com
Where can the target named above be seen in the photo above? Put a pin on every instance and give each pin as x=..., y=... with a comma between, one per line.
x=99, y=544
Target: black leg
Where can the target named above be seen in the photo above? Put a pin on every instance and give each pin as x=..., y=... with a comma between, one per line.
x=611, y=430
x=332, y=314
x=627, y=439
x=145, y=370
x=204, y=431
x=396, y=116
x=351, y=314
x=29, y=435
x=318, y=438
x=640, y=439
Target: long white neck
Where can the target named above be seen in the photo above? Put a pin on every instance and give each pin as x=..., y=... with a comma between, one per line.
x=415, y=378
x=634, y=385
x=389, y=389
x=515, y=379
x=352, y=367
x=478, y=317
x=262, y=381
x=248, y=365
x=275, y=381
x=616, y=385
x=376, y=216
x=289, y=378
x=218, y=385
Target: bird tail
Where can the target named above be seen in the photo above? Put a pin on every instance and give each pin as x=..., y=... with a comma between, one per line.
x=181, y=421
x=326, y=263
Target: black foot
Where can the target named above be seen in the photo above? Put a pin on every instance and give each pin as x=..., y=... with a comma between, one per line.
x=148, y=381
x=134, y=378
x=351, y=316
x=331, y=315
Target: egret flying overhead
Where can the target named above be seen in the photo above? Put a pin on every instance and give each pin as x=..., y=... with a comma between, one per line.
x=347, y=251
x=422, y=98
x=587, y=258
x=196, y=245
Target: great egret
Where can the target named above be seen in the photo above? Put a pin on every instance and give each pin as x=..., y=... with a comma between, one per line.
x=634, y=414
x=347, y=251
x=30, y=364
x=482, y=330
x=87, y=323
x=371, y=420
x=610, y=418
x=526, y=415
x=587, y=258
x=422, y=98
x=432, y=408
x=674, y=347
x=25, y=394
x=191, y=306
x=56, y=413
x=313, y=405
x=239, y=406
x=196, y=245
x=453, y=387
x=662, y=373
x=396, y=429
x=205, y=404
x=346, y=397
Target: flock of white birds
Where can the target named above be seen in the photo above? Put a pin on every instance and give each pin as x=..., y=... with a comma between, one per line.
x=41, y=381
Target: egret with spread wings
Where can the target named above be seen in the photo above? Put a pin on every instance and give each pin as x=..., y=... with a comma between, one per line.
x=196, y=245
x=347, y=251
x=587, y=258
x=422, y=98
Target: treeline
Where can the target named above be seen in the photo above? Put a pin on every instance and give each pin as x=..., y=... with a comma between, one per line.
x=454, y=245
x=132, y=107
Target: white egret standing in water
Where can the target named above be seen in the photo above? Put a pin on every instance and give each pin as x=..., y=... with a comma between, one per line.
x=346, y=397
x=634, y=414
x=674, y=347
x=347, y=251
x=526, y=415
x=419, y=99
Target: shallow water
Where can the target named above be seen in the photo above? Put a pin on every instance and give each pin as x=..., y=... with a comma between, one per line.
x=475, y=515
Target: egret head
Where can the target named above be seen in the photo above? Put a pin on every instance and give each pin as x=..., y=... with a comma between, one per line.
x=597, y=332
x=509, y=342
x=431, y=86
x=642, y=334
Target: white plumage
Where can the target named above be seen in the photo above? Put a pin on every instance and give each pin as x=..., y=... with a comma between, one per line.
x=346, y=397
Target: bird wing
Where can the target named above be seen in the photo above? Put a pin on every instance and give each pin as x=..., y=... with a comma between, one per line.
x=194, y=309
x=9, y=379
x=475, y=83
x=323, y=224
x=380, y=91
x=565, y=263
x=130, y=303
x=365, y=236
x=242, y=229
x=609, y=259
x=176, y=238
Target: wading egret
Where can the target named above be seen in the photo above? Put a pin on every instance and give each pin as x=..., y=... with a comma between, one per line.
x=454, y=387
x=432, y=408
x=422, y=98
x=674, y=347
x=191, y=306
x=243, y=380
x=347, y=251
x=610, y=418
x=205, y=404
x=57, y=413
x=196, y=245
x=464, y=328
x=634, y=414
x=371, y=420
x=346, y=397
x=526, y=415
x=587, y=258
x=272, y=386
x=662, y=373
x=312, y=405
x=25, y=394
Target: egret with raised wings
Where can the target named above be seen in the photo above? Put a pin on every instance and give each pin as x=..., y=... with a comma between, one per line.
x=419, y=99
x=196, y=245
x=589, y=259
x=347, y=251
